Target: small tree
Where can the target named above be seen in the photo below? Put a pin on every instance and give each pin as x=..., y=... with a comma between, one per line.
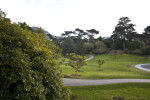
x=100, y=62
x=76, y=61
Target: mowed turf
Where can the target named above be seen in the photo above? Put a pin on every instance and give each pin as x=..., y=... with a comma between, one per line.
x=123, y=91
x=115, y=66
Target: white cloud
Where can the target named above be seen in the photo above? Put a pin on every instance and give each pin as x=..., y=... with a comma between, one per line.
x=57, y=16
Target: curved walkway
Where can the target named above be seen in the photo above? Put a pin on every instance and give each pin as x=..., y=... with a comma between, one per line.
x=87, y=82
x=90, y=57
x=143, y=66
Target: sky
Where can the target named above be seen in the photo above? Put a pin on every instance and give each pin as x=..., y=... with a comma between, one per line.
x=57, y=16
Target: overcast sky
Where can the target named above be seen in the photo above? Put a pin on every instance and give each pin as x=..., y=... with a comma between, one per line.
x=57, y=16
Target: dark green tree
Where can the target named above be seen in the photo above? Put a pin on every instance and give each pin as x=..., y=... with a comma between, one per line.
x=100, y=63
x=68, y=45
x=107, y=41
x=124, y=31
x=80, y=39
x=91, y=33
x=80, y=46
x=25, y=26
x=146, y=34
x=137, y=44
x=99, y=48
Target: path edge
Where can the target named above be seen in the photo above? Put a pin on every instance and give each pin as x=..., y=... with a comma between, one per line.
x=139, y=67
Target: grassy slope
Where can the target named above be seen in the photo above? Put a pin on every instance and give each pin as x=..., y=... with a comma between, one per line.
x=120, y=66
x=127, y=91
x=66, y=59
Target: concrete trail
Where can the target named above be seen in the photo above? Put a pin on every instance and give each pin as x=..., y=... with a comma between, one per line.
x=145, y=67
x=90, y=57
x=88, y=82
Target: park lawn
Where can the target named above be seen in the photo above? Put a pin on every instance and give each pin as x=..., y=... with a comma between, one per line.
x=124, y=91
x=115, y=66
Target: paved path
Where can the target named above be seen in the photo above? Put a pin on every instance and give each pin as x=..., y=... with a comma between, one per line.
x=143, y=66
x=87, y=82
x=90, y=57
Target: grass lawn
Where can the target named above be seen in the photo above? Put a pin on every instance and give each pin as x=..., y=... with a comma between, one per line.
x=124, y=91
x=66, y=59
x=115, y=66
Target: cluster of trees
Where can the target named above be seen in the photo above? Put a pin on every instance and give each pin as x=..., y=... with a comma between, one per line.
x=28, y=69
x=124, y=38
x=127, y=39
x=81, y=42
x=77, y=61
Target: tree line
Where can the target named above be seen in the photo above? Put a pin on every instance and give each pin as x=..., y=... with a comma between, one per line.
x=123, y=38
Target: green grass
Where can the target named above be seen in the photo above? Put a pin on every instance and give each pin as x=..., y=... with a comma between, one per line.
x=124, y=91
x=66, y=59
x=115, y=66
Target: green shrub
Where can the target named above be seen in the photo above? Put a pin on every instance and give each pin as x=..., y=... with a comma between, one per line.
x=99, y=48
x=136, y=51
x=28, y=69
x=116, y=52
x=76, y=62
x=137, y=44
x=146, y=51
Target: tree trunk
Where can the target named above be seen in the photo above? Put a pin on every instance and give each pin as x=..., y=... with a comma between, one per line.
x=124, y=46
x=76, y=73
x=99, y=67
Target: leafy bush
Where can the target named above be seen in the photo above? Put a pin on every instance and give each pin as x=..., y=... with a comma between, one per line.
x=76, y=61
x=137, y=44
x=68, y=46
x=89, y=47
x=99, y=48
x=100, y=63
x=146, y=51
x=28, y=69
x=116, y=52
x=137, y=51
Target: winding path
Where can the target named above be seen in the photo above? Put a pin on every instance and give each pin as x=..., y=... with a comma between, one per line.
x=87, y=82
x=90, y=57
x=143, y=66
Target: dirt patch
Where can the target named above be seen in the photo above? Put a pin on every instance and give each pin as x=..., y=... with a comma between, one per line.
x=99, y=70
x=75, y=75
x=118, y=98
x=128, y=65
